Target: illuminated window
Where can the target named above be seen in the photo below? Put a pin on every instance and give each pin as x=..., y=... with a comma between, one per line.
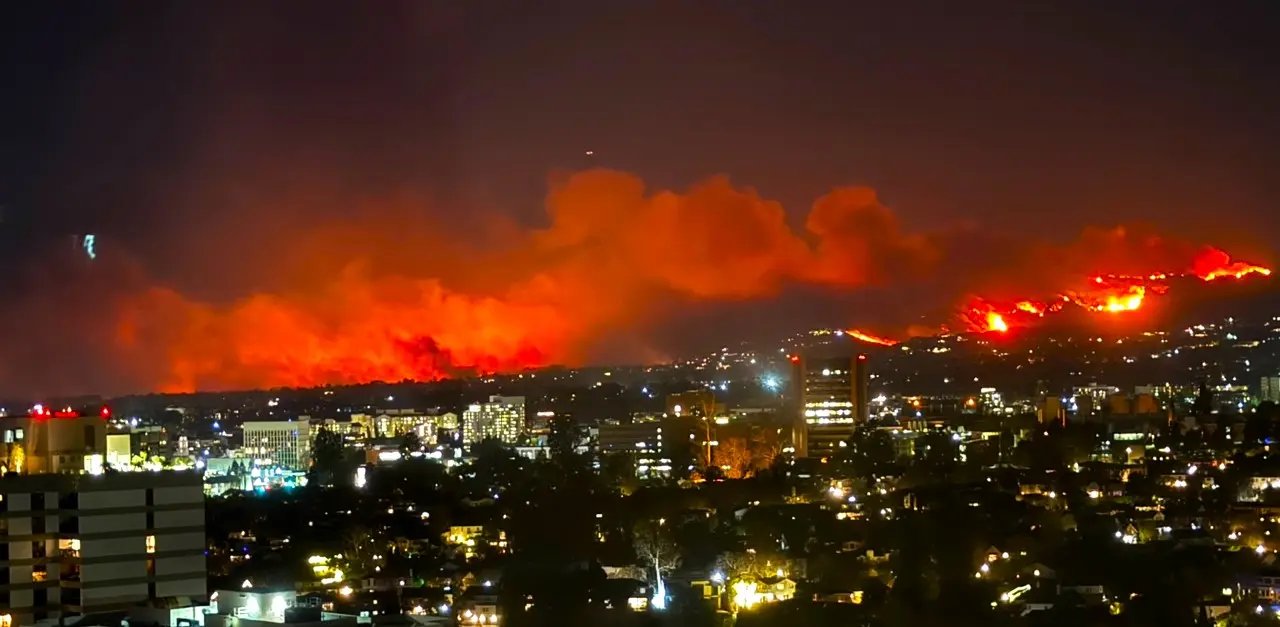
x=151, y=544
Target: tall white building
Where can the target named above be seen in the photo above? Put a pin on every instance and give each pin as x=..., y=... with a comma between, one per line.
x=502, y=419
x=80, y=544
x=287, y=443
x=1270, y=389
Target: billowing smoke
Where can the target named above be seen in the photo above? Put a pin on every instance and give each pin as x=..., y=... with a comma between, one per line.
x=391, y=296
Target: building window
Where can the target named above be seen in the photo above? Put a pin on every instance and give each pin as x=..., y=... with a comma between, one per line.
x=151, y=544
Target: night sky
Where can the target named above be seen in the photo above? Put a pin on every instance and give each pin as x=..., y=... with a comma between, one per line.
x=198, y=139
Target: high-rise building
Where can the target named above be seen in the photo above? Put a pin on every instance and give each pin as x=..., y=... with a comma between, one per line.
x=52, y=442
x=287, y=443
x=1269, y=390
x=502, y=419
x=831, y=385
x=80, y=544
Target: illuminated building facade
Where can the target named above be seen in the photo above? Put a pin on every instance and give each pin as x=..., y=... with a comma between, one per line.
x=287, y=443
x=502, y=419
x=80, y=544
x=643, y=440
x=1269, y=390
x=832, y=389
x=52, y=442
x=395, y=423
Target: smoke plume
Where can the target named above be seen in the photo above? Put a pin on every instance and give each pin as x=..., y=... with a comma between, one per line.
x=389, y=295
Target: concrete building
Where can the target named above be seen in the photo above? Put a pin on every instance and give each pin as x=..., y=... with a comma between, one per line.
x=52, y=442
x=638, y=437
x=643, y=440
x=1269, y=390
x=832, y=387
x=502, y=419
x=287, y=443
x=259, y=607
x=79, y=544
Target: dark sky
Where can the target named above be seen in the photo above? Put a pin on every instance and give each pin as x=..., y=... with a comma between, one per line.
x=151, y=124
x=1032, y=116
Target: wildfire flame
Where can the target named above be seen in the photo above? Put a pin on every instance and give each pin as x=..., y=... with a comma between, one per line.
x=869, y=338
x=1215, y=264
x=995, y=322
x=1114, y=294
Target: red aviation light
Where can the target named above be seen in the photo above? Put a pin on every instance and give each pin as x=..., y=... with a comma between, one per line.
x=105, y=412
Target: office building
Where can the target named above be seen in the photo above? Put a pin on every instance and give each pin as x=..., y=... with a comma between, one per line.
x=1269, y=390
x=284, y=443
x=638, y=437
x=831, y=386
x=501, y=418
x=81, y=544
x=52, y=442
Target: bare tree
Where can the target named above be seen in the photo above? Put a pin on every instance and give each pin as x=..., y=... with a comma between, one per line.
x=733, y=456
x=655, y=547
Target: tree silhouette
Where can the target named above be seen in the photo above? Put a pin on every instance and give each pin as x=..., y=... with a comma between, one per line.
x=326, y=457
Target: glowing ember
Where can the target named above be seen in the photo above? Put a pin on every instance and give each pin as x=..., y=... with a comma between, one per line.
x=869, y=338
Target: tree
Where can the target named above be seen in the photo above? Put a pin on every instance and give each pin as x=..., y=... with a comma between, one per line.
x=358, y=547
x=766, y=445
x=565, y=434
x=654, y=545
x=869, y=450
x=326, y=457
x=410, y=442
x=1204, y=400
x=937, y=453
x=618, y=470
x=733, y=456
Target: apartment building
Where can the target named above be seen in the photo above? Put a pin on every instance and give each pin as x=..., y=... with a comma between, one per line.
x=76, y=544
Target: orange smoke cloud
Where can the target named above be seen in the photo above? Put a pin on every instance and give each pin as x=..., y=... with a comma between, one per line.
x=393, y=297
x=612, y=255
